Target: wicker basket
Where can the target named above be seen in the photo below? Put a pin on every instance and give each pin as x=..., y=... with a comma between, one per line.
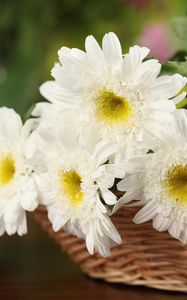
x=147, y=257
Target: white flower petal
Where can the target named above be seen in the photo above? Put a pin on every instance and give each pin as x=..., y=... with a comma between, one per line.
x=135, y=164
x=166, y=105
x=109, y=197
x=181, y=122
x=146, y=213
x=9, y=120
x=179, y=97
x=111, y=49
x=54, y=93
x=69, y=138
x=22, y=224
x=125, y=199
x=12, y=210
x=129, y=183
x=29, y=200
x=175, y=229
x=161, y=223
x=59, y=222
x=103, y=154
x=111, y=231
x=90, y=243
x=161, y=117
x=146, y=74
x=133, y=60
x=2, y=227
x=94, y=52
x=11, y=228
x=167, y=86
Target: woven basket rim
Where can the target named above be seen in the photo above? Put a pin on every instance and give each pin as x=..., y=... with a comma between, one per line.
x=148, y=257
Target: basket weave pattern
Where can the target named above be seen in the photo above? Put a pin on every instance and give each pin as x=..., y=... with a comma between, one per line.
x=147, y=257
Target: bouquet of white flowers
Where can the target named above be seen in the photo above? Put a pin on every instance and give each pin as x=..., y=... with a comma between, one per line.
x=111, y=124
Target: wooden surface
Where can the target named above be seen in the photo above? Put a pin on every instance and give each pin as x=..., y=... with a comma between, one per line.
x=33, y=267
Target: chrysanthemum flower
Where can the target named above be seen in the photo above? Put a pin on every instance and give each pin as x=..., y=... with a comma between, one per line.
x=161, y=185
x=122, y=94
x=75, y=183
x=17, y=186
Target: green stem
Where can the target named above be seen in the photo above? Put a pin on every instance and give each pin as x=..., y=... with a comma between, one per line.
x=28, y=112
x=182, y=103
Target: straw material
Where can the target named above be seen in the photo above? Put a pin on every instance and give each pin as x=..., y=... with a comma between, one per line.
x=147, y=257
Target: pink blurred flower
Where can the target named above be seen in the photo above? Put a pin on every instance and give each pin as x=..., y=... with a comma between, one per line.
x=157, y=38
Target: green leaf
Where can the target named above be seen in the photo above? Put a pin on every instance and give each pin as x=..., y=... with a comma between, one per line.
x=179, y=25
x=172, y=67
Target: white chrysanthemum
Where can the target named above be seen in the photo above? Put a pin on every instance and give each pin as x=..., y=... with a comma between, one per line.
x=120, y=93
x=74, y=177
x=17, y=187
x=162, y=184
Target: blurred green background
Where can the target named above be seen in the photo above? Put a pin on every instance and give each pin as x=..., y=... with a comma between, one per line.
x=31, y=32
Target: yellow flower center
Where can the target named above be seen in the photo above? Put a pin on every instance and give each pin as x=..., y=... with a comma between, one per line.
x=70, y=182
x=176, y=184
x=7, y=169
x=112, y=109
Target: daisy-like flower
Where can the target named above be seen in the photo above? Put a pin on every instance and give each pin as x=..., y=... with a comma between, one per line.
x=17, y=186
x=75, y=183
x=162, y=183
x=121, y=94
